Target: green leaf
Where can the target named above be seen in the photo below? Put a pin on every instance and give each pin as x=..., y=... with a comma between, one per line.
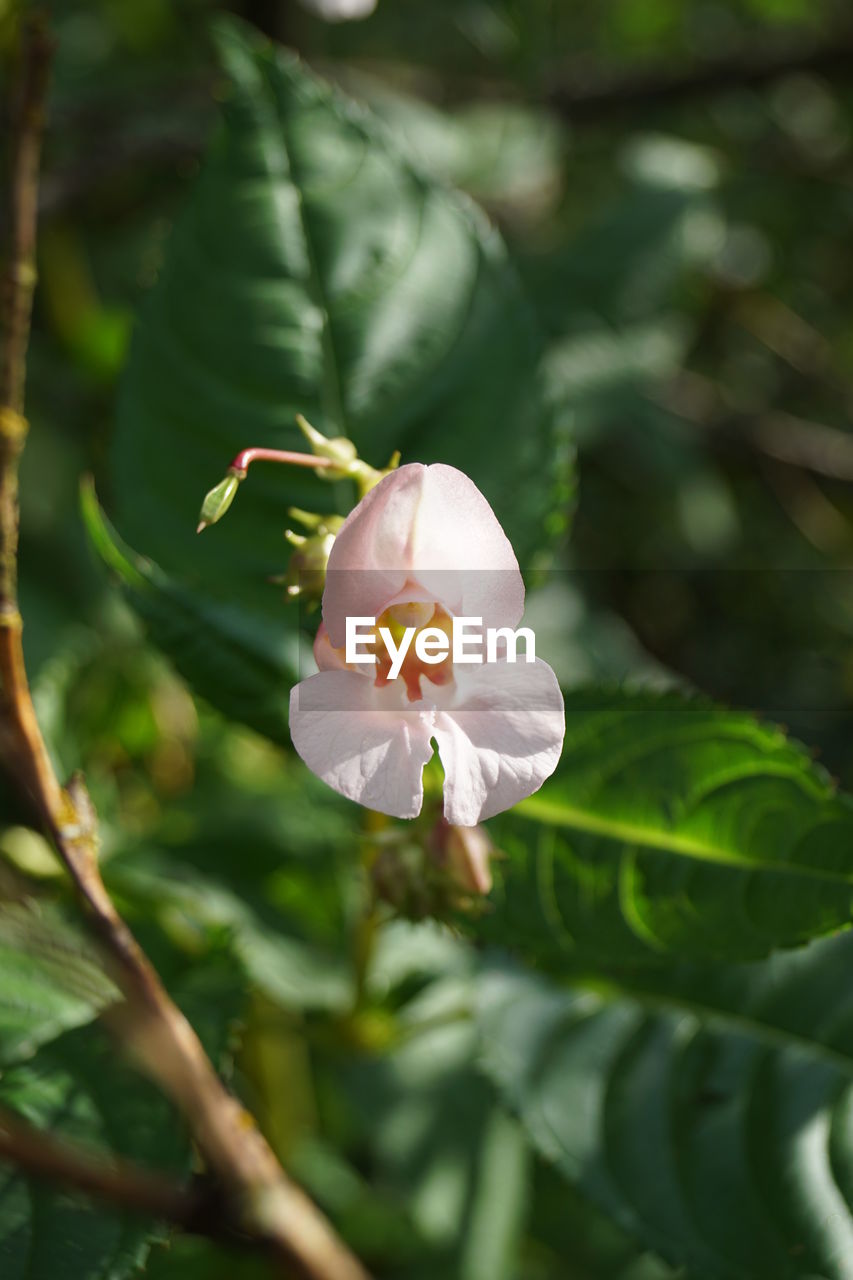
x=283, y=905
x=50, y=979
x=503, y=153
x=456, y=1162
x=565, y=1225
x=707, y=1111
x=316, y=270
x=289, y=969
x=79, y=1088
x=191, y=1258
x=672, y=825
x=373, y=1223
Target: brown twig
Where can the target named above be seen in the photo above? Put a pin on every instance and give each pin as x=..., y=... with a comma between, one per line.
x=28, y=116
x=18, y=283
x=114, y=1180
x=263, y=1201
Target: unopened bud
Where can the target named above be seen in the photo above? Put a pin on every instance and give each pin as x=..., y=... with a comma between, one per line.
x=218, y=500
x=465, y=853
x=306, y=574
x=443, y=872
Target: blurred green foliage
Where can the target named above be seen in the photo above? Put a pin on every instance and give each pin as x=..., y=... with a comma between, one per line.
x=686, y=264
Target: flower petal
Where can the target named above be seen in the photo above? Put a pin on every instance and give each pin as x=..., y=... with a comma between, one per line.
x=330, y=659
x=499, y=739
x=431, y=529
x=369, y=744
x=326, y=656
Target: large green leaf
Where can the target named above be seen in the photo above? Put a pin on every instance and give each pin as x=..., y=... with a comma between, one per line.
x=569, y=1235
x=709, y=1112
x=51, y=979
x=317, y=270
x=673, y=825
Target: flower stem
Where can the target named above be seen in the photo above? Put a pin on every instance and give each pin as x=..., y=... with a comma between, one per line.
x=220, y=497
x=246, y=457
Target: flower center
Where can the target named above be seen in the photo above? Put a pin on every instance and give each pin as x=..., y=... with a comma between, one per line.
x=423, y=616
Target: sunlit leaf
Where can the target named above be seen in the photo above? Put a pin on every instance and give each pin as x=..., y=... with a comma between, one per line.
x=707, y=1112
x=672, y=825
x=51, y=979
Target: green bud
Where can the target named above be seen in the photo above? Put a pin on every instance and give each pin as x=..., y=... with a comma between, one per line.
x=306, y=574
x=218, y=500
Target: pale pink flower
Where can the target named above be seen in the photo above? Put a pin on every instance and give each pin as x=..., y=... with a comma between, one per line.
x=422, y=547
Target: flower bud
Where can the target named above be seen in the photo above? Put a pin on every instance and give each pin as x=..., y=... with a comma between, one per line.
x=465, y=853
x=436, y=874
x=218, y=500
x=306, y=573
